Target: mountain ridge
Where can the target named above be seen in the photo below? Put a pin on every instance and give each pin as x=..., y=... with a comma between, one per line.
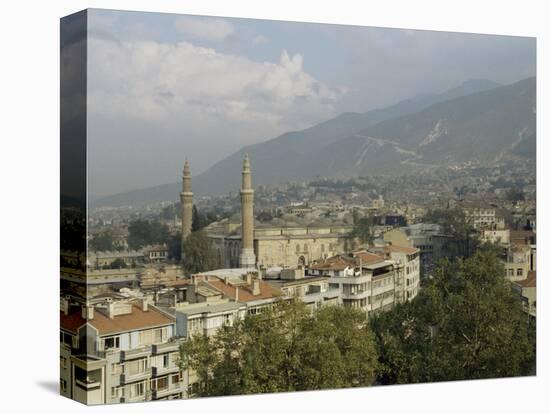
x=325, y=147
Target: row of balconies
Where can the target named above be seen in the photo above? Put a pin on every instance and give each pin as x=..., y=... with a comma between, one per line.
x=172, y=346
x=148, y=350
x=127, y=378
x=155, y=394
x=172, y=389
x=147, y=373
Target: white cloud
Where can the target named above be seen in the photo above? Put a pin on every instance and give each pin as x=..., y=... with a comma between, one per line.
x=210, y=28
x=157, y=82
x=179, y=100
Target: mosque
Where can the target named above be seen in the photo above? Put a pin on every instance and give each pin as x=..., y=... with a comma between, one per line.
x=251, y=245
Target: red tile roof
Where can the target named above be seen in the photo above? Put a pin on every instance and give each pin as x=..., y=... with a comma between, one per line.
x=245, y=292
x=368, y=258
x=72, y=321
x=522, y=236
x=337, y=263
x=530, y=281
x=136, y=320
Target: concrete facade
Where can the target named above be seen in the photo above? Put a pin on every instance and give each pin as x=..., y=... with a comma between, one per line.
x=116, y=352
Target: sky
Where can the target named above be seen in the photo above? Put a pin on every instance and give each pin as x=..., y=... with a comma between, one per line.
x=166, y=87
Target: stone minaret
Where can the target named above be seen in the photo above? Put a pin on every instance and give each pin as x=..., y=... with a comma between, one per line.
x=247, y=258
x=186, y=198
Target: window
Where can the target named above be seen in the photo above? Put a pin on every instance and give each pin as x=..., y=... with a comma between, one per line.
x=162, y=383
x=63, y=362
x=66, y=339
x=62, y=385
x=175, y=378
x=111, y=342
x=159, y=335
x=165, y=361
x=116, y=392
x=519, y=272
x=135, y=367
x=137, y=389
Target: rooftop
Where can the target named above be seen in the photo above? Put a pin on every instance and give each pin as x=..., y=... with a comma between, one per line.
x=207, y=307
x=337, y=263
x=137, y=320
x=530, y=281
x=245, y=292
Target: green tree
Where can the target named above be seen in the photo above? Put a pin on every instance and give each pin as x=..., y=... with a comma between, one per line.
x=286, y=348
x=264, y=216
x=103, y=241
x=453, y=222
x=199, y=256
x=118, y=264
x=174, y=247
x=145, y=232
x=202, y=219
x=363, y=229
x=466, y=324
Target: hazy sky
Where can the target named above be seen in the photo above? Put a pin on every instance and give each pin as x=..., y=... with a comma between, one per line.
x=163, y=87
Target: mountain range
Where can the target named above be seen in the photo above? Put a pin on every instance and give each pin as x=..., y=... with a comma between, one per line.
x=479, y=120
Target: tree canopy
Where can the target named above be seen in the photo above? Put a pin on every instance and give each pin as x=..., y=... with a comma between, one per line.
x=145, y=232
x=103, y=242
x=286, y=348
x=202, y=219
x=363, y=228
x=199, y=256
x=264, y=216
x=465, y=324
x=453, y=222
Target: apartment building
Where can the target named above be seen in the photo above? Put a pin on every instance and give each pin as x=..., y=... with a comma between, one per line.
x=314, y=291
x=207, y=317
x=482, y=216
x=241, y=285
x=527, y=290
x=407, y=269
x=123, y=351
x=422, y=236
x=496, y=236
x=518, y=261
x=375, y=279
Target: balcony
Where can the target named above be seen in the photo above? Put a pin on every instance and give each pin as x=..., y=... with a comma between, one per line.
x=165, y=347
x=136, y=353
x=136, y=398
x=173, y=389
x=127, y=378
x=88, y=384
x=158, y=371
x=360, y=294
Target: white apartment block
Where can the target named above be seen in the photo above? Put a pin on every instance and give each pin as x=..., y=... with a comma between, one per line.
x=482, y=216
x=373, y=280
x=119, y=352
